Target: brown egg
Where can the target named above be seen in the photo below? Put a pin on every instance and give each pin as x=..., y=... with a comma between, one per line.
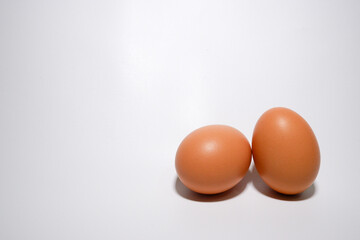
x=213, y=159
x=285, y=151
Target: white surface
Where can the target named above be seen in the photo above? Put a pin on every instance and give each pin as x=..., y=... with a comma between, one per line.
x=95, y=97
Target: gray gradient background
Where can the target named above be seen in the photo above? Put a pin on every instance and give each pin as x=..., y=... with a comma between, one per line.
x=95, y=97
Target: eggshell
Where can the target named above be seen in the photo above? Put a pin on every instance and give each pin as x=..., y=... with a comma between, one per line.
x=285, y=151
x=213, y=159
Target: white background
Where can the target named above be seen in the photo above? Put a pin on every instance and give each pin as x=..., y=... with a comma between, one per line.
x=96, y=96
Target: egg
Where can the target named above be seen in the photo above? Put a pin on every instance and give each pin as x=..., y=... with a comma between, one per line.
x=213, y=159
x=285, y=151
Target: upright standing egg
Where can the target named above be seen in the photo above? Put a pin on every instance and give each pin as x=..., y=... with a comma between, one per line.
x=213, y=159
x=285, y=151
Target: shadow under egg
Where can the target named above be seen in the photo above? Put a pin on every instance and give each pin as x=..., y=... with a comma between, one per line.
x=261, y=186
x=185, y=192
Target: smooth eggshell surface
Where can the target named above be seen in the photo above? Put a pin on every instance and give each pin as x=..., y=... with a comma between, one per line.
x=213, y=159
x=285, y=151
